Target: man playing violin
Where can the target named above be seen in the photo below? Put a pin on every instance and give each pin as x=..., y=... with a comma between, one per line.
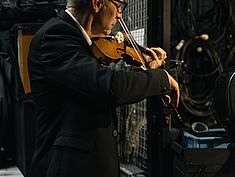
x=75, y=96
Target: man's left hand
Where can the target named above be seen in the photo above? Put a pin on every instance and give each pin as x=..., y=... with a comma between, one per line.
x=157, y=58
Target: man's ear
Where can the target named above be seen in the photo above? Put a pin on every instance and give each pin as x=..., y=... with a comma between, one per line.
x=97, y=5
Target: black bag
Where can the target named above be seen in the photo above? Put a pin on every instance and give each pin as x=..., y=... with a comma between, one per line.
x=6, y=109
x=224, y=100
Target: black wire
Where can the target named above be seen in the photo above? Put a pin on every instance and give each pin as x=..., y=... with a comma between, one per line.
x=199, y=69
x=207, y=52
x=213, y=22
x=229, y=60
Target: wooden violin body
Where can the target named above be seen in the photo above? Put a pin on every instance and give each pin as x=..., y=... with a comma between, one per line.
x=109, y=49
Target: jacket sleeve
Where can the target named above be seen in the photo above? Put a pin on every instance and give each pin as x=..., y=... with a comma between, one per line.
x=67, y=61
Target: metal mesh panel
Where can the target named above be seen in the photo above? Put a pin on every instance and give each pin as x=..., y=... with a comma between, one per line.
x=132, y=126
x=135, y=17
x=132, y=118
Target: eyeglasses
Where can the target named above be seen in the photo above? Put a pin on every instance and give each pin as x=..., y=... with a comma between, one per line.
x=121, y=5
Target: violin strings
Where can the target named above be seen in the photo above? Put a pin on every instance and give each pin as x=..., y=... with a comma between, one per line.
x=132, y=41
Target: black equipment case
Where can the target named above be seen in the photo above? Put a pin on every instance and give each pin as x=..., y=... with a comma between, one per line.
x=224, y=100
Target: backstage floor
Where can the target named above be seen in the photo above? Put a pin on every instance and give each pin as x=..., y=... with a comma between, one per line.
x=10, y=172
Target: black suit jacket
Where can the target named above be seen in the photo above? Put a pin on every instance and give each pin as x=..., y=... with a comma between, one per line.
x=74, y=98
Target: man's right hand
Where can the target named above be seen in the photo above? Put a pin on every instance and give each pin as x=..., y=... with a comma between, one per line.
x=174, y=95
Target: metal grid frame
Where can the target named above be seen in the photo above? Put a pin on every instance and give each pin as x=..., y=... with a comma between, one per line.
x=132, y=124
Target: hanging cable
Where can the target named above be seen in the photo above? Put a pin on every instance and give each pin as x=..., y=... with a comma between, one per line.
x=197, y=76
x=202, y=32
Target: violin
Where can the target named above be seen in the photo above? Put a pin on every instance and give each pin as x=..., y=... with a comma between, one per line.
x=112, y=48
x=121, y=46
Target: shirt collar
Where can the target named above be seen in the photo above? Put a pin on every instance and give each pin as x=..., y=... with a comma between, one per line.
x=80, y=27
